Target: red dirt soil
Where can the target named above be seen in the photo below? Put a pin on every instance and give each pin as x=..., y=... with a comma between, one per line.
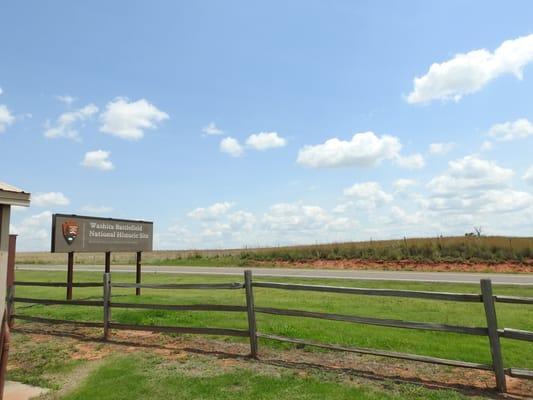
x=408, y=265
x=87, y=345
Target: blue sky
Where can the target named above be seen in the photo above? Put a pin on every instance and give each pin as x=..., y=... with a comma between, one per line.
x=262, y=123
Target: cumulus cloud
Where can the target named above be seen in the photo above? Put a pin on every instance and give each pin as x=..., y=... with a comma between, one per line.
x=33, y=231
x=441, y=148
x=506, y=200
x=66, y=99
x=486, y=146
x=290, y=217
x=367, y=195
x=212, y=130
x=65, y=125
x=363, y=150
x=484, y=202
x=98, y=159
x=519, y=129
x=6, y=118
x=242, y=220
x=231, y=146
x=469, y=72
x=49, y=199
x=210, y=213
x=414, y=161
x=265, y=141
x=296, y=220
x=468, y=174
x=528, y=176
x=128, y=120
x=398, y=215
x=403, y=184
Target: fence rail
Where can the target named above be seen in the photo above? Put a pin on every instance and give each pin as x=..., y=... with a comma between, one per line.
x=486, y=298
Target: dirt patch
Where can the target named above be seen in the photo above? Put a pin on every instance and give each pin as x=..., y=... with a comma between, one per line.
x=407, y=265
x=200, y=356
x=90, y=351
x=69, y=382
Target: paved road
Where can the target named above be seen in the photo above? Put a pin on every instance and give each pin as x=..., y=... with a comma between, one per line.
x=454, y=277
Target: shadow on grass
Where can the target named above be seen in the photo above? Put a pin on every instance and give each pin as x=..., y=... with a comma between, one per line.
x=468, y=390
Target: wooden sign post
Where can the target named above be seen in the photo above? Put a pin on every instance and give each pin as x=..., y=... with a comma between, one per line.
x=77, y=234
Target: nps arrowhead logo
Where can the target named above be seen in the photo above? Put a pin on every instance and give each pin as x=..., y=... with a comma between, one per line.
x=70, y=231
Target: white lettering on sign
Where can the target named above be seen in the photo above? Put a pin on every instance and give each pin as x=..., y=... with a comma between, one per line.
x=74, y=233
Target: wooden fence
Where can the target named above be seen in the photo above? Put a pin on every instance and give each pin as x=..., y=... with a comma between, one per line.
x=486, y=297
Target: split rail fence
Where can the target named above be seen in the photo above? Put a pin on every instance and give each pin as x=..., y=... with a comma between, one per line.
x=486, y=297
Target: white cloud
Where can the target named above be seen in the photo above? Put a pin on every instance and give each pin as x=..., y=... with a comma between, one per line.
x=368, y=195
x=66, y=99
x=441, y=148
x=64, y=126
x=469, y=72
x=49, y=199
x=242, y=220
x=519, y=129
x=528, y=176
x=414, y=161
x=211, y=129
x=128, y=120
x=342, y=208
x=487, y=203
x=403, y=184
x=290, y=217
x=486, y=145
x=33, y=231
x=6, y=118
x=210, y=213
x=468, y=174
x=399, y=216
x=364, y=149
x=1, y=91
x=293, y=221
x=507, y=200
x=231, y=146
x=98, y=159
x=265, y=141
x=96, y=210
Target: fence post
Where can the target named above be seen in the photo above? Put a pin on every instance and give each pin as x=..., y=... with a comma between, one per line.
x=107, y=308
x=138, y=273
x=70, y=274
x=252, y=326
x=494, y=339
x=10, y=306
x=107, y=261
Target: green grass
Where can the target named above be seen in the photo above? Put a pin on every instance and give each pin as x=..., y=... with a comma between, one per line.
x=439, y=344
x=33, y=362
x=147, y=376
x=202, y=261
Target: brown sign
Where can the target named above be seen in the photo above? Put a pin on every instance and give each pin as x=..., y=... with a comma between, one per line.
x=93, y=234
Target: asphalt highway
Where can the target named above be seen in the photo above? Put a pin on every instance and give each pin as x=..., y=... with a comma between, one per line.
x=451, y=277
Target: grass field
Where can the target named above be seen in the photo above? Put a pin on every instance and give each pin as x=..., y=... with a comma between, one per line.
x=146, y=374
x=440, y=249
x=439, y=344
x=142, y=376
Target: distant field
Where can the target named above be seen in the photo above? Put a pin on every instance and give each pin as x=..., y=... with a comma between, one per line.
x=489, y=249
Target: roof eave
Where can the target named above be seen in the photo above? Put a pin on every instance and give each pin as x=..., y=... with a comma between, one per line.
x=21, y=199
